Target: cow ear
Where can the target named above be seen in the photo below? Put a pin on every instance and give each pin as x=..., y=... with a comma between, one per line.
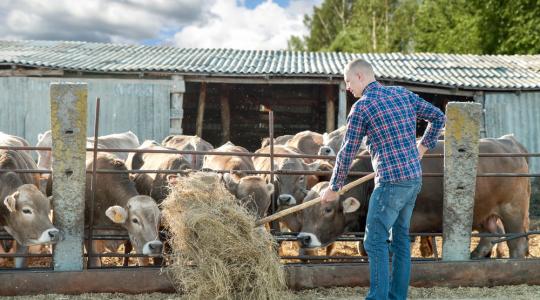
x=350, y=205
x=314, y=166
x=40, y=136
x=117, y=214
x=269, y=188
x=230, y=183
x=11, y=201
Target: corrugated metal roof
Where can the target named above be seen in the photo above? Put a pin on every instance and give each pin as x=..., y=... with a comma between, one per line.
x=460, y=71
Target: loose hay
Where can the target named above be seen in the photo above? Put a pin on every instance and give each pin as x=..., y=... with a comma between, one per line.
x=217, y=253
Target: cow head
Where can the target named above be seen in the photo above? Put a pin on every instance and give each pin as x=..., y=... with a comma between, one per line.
x=253, y=191
x=140, y=217
x=324, y=223
x=293, y=188
x=28, y=218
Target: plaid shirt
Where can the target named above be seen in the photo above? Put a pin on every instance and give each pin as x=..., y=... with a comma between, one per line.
x=387, y=116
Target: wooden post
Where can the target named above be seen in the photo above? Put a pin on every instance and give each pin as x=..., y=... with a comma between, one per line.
x=330, y=109
x=200, y=110
x=176, y=107
x=68, y=124
x=342, y=110
x=225, y=113
x=461, y=140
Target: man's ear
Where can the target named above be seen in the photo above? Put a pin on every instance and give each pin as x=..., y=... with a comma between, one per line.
x=117, y=214
x=350, y=205
x=11, y=201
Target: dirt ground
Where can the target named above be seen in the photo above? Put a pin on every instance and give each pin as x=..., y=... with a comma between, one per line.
x=501, y=292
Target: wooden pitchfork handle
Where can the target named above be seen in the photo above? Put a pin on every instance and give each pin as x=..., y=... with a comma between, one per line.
x=312, y=202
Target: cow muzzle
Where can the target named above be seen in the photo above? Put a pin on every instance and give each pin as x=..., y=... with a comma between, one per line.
x=325, y=150
x=153, y=248
x=308, y=240
x=50, y=236
x=286, y=200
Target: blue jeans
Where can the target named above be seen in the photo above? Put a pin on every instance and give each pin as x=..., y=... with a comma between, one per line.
x=388, y=220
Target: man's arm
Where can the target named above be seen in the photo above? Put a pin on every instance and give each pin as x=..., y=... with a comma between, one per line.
x=356, y=129
x=434, y=117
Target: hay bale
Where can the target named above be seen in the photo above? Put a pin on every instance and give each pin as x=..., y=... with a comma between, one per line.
x=217, y=253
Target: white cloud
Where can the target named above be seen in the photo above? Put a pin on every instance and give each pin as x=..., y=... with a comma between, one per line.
x=267, y=26
x=184, y=23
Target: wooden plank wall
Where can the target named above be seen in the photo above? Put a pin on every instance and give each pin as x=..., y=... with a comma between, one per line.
x=296, y=108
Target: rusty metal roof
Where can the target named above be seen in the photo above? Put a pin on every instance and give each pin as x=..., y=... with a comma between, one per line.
x=475, y=72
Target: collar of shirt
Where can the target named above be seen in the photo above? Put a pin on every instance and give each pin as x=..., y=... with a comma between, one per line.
x=370, y=86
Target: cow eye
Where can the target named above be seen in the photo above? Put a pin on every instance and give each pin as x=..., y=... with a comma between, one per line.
x=27, y=211
x=134, y=220
x=327, y=210
x=301, y=178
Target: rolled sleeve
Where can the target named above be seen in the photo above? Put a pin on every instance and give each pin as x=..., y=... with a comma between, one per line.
x=435, y=118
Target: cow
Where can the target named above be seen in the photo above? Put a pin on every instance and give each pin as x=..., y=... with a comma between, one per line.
x=118, y=204
x=292, y=188
x=14, y=141
x=253, y=191
x=155, y=185
x=188, y=143
x=112, y=141
x=495, y=198
x=332, y=142
x=24, y=212
x=280, y=140
x=307, y=142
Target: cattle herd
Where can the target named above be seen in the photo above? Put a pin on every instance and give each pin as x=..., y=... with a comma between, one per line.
x=130, y=200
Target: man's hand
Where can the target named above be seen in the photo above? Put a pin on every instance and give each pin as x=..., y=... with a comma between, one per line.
x=329, y=196
x=421, y=149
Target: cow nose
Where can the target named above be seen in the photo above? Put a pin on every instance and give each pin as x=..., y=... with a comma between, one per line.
x=305, y=240
x=54, y=234
x=284, y=199
x=155, y=246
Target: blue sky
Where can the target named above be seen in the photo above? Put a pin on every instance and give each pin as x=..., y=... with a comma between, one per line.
x=239, y=24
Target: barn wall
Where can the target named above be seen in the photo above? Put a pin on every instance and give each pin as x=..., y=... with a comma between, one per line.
x=296, y=108
x=141, y=106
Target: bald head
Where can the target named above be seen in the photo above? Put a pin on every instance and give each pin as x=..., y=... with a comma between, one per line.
x=359, y=65
x=358, y=74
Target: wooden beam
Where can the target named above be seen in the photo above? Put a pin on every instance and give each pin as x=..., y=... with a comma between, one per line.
x=225, y=113
x=30, y=72
x=342, y=108
x=259, y=80
x=200, y=110
x=330, y=109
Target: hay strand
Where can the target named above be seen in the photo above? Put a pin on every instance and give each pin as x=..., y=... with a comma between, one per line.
x=217, y=252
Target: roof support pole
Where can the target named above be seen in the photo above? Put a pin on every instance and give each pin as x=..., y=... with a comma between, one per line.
x=342, y=106
x=330, y=109
x=225, y=114
x=461, y=140
x=176, y=104
x=68, y=124
x=200, y=110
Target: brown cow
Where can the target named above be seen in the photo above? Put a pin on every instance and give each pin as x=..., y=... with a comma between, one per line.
x=280, y=140
x=307, y=142
x=253, y=191
x=188, y=143
x=14, y=141
x=155, y=185
x=118, y=204
x=24, y=212
x=503, y=198
x=292, y=188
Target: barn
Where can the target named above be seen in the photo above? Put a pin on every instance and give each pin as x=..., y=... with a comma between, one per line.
x=224, y=94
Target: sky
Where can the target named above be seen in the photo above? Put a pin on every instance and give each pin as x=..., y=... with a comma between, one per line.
x=238, y=24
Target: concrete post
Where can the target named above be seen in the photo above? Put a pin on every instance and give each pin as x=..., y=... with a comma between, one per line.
x=460, y=161
x=176, y=108
x=68, y=124
x=342, y=106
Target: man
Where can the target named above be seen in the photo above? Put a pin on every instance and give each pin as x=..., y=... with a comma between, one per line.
x=387, y=116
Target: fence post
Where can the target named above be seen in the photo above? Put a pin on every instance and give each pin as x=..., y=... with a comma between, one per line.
x=342, y=105
x=461, y=140
x=68, y=124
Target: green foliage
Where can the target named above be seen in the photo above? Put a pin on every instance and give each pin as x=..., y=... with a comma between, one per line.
x=449, y=26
